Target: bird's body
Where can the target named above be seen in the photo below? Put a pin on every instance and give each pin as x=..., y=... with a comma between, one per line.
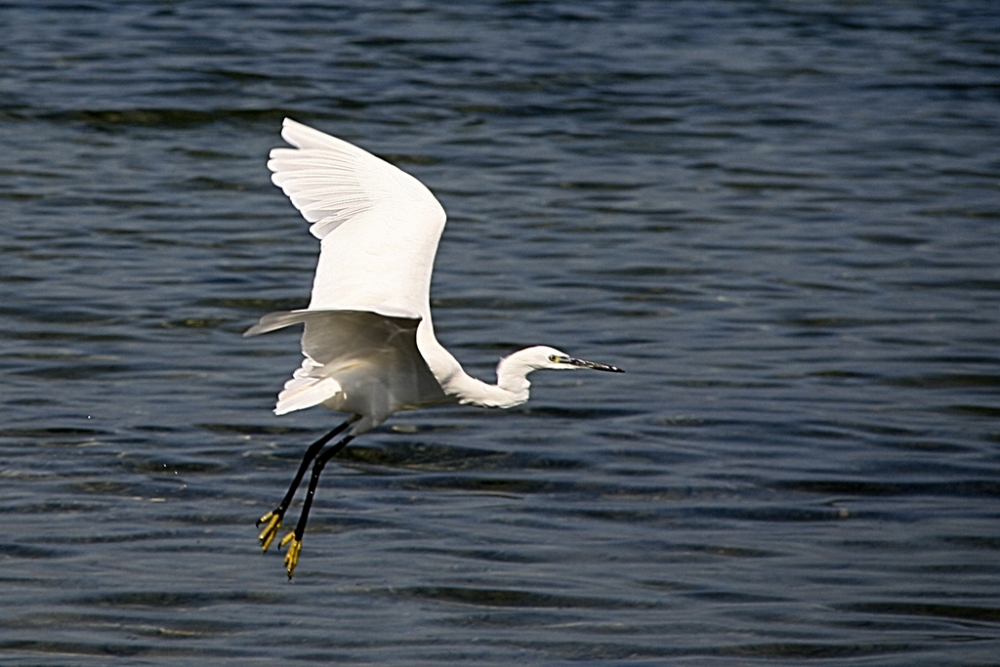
x=369, y=342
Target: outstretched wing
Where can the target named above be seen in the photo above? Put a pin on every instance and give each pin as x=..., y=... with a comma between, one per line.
x=379, y=226
x=357, y=362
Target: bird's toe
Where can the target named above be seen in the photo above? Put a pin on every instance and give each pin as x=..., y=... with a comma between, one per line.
x=273, y=523
x=292, y=555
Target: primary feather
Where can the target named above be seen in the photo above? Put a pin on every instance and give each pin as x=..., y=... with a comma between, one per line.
x=379, y=227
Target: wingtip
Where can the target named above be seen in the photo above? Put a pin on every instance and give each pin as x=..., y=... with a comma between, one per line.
x=295, y=133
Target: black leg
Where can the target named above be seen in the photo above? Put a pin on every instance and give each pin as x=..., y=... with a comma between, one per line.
x=274, y=517
x=310, y=454
x=295, y=537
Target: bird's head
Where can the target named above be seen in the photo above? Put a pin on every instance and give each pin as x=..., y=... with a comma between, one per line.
x=512, y=371
x=548, y=358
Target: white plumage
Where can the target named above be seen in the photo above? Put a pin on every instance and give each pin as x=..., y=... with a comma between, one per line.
x=369, y=343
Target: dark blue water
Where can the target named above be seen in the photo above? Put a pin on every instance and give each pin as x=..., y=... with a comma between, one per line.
x=782, y=219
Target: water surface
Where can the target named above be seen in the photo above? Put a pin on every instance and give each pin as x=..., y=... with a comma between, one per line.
x=780, y=218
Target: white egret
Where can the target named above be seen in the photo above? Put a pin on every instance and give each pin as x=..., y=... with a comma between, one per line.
x=369, y=342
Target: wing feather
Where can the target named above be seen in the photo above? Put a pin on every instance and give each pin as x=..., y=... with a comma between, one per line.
x=379, y=227
x=358, y=362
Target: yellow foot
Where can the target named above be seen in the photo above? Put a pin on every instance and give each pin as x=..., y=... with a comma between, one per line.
x=292, y=557
x=266, y=536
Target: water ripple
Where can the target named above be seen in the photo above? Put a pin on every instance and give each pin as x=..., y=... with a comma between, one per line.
x=780, y=220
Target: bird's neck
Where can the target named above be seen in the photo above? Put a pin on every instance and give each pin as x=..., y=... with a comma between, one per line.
x=512, y=377
x=510, y=390
x=512, y=385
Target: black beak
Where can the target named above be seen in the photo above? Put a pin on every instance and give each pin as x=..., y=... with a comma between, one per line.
x=582, y=363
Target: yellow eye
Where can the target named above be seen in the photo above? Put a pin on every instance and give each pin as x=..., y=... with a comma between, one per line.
x=554, y=359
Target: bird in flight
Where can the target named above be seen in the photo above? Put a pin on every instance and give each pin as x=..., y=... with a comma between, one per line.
x=368, y=341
